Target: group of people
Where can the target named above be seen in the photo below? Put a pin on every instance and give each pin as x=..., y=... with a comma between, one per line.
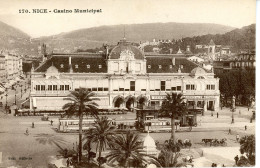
x=69, y=162
x=215, y=165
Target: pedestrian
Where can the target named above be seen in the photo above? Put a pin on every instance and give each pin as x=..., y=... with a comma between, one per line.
x=68, y=162
x=239, y=112
x=237, y=137
x=229, y=131
x=245, y=127
x=32, y=124
x=236, y=159
x=27, y=131
x=51, y=122
x=223, y=165
x=217, y=114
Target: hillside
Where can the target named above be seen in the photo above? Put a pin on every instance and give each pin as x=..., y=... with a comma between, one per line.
x=15, y=40
x=96, y=36
x=238, y=39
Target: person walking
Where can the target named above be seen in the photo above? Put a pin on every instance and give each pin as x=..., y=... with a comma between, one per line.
x=237, y=138
x=229, y=131
x=32, y=124
x=217, y=114
x=27, y=131
x=236, y=159
x=51, y=122
x=245, y=127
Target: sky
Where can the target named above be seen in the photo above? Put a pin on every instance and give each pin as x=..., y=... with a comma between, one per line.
x=235, y=13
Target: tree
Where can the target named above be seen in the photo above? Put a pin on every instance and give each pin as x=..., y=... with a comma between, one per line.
x=247, y=145
x=173, y=106
x=81, y=102
x=101, y=134
x=168, y=158
x=126, y=149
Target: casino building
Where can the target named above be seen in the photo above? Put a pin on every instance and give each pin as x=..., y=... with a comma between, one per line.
x=124, y=78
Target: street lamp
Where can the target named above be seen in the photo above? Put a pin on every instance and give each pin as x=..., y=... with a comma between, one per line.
x=6, y=100
x=15, y=95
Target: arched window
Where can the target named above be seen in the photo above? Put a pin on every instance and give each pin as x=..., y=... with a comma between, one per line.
x=88, y=66
x=76, y=66
x=61, y=66
x=160, y=66
x=149, y=66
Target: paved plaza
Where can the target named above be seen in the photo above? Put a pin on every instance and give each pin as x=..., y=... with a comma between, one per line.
x=19, y=149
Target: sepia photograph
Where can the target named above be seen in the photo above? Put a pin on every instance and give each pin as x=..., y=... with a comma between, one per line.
x=127, y=83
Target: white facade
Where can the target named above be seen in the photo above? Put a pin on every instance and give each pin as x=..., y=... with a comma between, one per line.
x=126, y=83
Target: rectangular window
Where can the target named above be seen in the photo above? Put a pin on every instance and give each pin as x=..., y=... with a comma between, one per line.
x=168, y=89
x=132, y=85
x=143, y=89
x=89, y=89
x=100, y=89
x=61, y=87
x=126, y=89
x=173, y=88
x=190, y=87
x=67, y=87
x=105, y=89
x=179, y=88
x=94, y=89
x=121, y=89
x=210, y=87
x=49, y=87
x=55, y=87
x=42, y=87
x=162, y=85
x=38, y=87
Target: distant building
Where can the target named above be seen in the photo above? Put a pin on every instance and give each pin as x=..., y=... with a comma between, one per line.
x=196, y=59
x=2, y=68
x=241, y=61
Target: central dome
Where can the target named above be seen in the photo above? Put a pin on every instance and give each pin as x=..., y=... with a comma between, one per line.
x=149, y=142
x=122, y=46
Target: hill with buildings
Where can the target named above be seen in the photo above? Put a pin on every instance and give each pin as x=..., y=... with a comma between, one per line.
x=15, y=41
x=237, y=40
x=96, y=36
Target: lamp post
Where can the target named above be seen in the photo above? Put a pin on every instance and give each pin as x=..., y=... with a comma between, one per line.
x=6, y=100
x=233, y=109
x=15, y=95
x=21, y=90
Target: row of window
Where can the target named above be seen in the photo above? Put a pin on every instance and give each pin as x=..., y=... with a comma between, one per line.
x=160, y=66
x=77, y=66
x=52, y=87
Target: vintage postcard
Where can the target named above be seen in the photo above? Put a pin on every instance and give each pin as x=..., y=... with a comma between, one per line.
x=127, y=83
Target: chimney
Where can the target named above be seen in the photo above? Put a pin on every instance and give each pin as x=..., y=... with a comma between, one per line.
x=173, y=60
x=70, y=65
x=69, y=60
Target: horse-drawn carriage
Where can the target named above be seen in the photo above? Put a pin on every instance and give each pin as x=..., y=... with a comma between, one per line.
x=215, y=142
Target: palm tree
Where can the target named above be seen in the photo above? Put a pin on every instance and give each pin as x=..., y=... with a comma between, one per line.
x=101, y=134
x=126, y=149
x=247, y=145
x=174, y=106
x=167, y=158
x=81, y=102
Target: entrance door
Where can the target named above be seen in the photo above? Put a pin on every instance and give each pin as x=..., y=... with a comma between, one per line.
x=210, y=105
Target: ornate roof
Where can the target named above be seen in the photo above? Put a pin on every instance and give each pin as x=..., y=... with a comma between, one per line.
x=198, y=71
x=167, y=65
x=124, y=46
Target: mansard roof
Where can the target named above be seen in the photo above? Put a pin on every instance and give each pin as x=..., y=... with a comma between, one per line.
x=79, y=63
x=167, y=65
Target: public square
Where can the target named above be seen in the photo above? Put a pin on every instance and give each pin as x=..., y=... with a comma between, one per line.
x=14, y=144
